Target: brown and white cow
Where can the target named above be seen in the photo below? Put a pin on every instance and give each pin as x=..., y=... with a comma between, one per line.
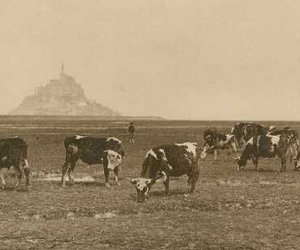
x=13, y=152
x=218, y=141
x=265, y=146
x=93, y=150
x=164, y=161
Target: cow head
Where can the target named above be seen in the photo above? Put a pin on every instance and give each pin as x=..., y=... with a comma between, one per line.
x=114, y=159
x=142, y=186
x=208, y=145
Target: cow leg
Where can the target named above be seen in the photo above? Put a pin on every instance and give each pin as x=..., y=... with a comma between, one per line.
x=18, y=175
x=65, y=168
x=116, y=172
x=2, y=178
x=26, y=169
x=167, y=185
x=70, y=173
x=193, y=177
x=215, y=154
x=106, y=175
x=255, y=162
x=283, y=164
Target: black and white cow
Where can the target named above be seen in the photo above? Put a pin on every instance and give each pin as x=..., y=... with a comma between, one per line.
x=243, y=131
x=294, y=140
x=218, y=141
x=13, y=152
x=164, y=161
x=93, y=150
x=266, y=146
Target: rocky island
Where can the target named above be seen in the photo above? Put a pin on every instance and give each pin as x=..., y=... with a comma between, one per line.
x=63, y=97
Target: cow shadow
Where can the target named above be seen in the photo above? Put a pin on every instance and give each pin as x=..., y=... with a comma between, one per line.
x=162, y=193
x=13, y=189
x=84, y=184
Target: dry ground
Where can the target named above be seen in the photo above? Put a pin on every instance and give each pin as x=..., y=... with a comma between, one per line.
x=229, y=209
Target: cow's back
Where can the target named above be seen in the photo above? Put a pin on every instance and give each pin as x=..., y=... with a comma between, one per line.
x=178, y=158
x=12, y=150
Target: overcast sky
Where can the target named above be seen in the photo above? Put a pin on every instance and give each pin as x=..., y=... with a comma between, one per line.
x=180, y=59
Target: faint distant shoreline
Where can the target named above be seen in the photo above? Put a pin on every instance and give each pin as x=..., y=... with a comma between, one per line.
x=71, y=117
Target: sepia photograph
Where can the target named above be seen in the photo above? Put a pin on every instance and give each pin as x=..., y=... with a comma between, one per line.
x=149, y=124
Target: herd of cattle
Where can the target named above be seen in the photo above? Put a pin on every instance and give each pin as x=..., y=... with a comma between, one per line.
x=162, y=162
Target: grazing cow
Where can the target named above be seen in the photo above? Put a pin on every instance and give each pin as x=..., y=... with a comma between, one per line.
x=169, y=160
x=218, y=141
x=13, y=152
x=91, y=150
x=266, y=146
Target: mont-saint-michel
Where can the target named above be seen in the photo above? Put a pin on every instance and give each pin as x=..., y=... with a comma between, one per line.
x=61, y=97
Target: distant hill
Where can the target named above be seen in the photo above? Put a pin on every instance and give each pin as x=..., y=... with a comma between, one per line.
x=61, y=97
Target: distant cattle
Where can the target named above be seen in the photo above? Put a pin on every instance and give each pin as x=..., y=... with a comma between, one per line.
x=213, y=143
x=164, y=161
x=266, y=146
x=13, y=152
x=243, y=131
x=93, y=150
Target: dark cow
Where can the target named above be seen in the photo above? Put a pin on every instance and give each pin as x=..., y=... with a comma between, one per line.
x=218, y=141
x=266, y=146
x=252, y=129
x=243, y=131
x=13, y=152
x=169, y=160
x=237, y=131
x=93, y=150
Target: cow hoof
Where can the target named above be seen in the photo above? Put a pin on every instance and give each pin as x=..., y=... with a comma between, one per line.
x=107, y=185
x=186, y=195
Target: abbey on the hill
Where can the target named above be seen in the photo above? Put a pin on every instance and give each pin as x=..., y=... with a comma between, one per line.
x=63, y=96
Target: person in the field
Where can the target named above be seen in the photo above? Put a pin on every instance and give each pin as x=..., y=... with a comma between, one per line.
x=131, y=130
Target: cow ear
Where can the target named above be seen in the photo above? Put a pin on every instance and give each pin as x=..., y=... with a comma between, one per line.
x=133, y=181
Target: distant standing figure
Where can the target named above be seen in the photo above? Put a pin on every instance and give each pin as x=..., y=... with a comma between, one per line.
x=131, y=130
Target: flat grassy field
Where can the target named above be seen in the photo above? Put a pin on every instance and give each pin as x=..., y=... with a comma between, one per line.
x=229, y=209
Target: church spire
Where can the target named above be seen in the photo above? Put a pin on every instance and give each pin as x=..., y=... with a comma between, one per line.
x=62, y=68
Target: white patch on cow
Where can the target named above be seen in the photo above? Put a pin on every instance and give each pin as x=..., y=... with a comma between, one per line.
x=151, y=152
x=78, y=137
x=274, y=139
x=163, y=153
x=229, y=137
x=232, y=130
x=190, y=147
x=114, y=139
x=163, y=177
x=250, y=141
x=114, y=159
